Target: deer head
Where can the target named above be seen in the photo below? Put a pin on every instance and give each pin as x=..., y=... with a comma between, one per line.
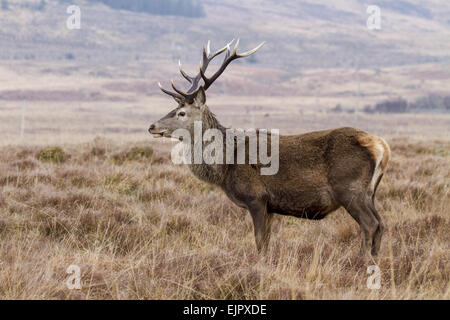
x=191, y=104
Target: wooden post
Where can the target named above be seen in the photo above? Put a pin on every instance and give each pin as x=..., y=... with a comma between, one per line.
x=22, y=127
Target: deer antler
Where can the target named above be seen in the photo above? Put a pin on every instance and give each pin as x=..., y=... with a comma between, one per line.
x=226, y=62
x=177, y=97
x=207, y=58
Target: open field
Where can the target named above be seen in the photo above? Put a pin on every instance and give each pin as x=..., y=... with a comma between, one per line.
x=65, y=102
x=140, y=227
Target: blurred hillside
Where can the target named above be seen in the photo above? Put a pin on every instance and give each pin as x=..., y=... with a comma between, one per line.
x=82, y=181
x=319, y=57
x=187, y=8
x=299, y=35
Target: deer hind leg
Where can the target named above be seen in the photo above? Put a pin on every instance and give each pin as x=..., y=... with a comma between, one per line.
x=376, y=240
x=381, y=154
x=357, y=207
x=262, y=221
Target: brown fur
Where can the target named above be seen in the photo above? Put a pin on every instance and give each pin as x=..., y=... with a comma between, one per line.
x=318, y=173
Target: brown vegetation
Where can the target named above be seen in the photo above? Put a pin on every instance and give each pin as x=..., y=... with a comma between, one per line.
x=143, y=228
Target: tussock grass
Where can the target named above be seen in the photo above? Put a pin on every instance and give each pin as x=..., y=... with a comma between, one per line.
x=140, y=227
x=55, y=154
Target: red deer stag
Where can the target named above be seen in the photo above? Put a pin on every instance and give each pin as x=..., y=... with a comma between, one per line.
x=318, y=171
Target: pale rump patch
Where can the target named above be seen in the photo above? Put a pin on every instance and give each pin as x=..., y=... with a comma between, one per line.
x=380, y=151
x=386, y=154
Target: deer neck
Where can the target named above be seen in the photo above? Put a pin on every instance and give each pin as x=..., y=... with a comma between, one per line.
x=212, y=173
x=210, y=121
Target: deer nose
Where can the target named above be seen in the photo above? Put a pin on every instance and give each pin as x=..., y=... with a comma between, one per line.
x=152, y=127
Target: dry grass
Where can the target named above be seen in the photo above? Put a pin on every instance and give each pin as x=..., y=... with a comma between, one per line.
x=140, y=227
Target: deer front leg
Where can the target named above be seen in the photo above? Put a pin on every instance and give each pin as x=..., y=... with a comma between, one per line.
x=262, y=221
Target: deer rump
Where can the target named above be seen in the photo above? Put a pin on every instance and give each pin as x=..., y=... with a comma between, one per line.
x=318, y=173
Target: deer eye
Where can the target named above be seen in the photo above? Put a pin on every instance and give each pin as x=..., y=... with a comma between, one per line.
x=181, y=114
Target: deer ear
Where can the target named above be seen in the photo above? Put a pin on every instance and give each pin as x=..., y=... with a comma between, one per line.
x=200, y=97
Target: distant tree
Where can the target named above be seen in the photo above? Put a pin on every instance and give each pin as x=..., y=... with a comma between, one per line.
x=69, y=56
x=389, y=106
x=368, y=109
x=432, y=102
x=337, y=108
x=41, y=5
x=187, y=8
x=447, y=103
x=5, y=5
x=392, y=106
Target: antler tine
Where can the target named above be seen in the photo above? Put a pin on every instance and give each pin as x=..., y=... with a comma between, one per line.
x=202, y=74
x=205, y=60
x=236, y=46
x=184, y=74
x=208, y=48
x=227, y=55
x=250, y=52
x=184, y=94
x=227, y=47
x=177, y=97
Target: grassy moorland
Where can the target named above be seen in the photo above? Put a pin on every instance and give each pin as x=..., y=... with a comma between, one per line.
x=140, y=227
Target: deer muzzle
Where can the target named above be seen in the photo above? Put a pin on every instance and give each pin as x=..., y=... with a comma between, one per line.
x=155, y=132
